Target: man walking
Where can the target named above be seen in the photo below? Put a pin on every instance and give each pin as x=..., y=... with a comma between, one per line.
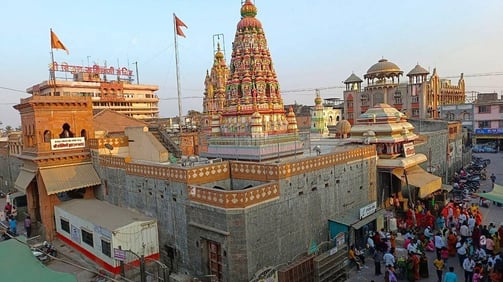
x=27, y=226
x=439, y=266
x=468, y=266
x=450, y=276
x=378, y=257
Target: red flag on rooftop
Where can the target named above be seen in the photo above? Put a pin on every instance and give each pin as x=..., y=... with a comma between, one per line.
x=56, y=43
x=178, y=26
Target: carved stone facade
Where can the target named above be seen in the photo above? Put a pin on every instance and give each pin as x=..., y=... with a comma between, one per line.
x=252, y=109
x=421, y=97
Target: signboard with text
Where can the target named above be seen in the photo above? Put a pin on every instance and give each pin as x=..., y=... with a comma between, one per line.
x=408, y=149
x=119, y=254
x=68, y=143
x=95, y=69
x=488, y=131
x=368, y=210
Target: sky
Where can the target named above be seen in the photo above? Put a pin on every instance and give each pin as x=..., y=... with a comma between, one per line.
x=314, y=44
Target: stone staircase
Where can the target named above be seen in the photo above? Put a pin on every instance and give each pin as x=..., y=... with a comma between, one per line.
x=167, y=140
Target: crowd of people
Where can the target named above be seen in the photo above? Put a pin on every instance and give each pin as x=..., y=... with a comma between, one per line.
x=457, y=236
x=10, y=217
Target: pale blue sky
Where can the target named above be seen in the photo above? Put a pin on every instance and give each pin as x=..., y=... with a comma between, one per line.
x=314, y=44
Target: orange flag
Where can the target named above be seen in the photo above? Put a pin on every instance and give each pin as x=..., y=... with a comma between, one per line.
x=178, y=26
x=56, y=43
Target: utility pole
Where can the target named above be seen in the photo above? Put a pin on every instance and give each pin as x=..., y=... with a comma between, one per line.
x=137, y=74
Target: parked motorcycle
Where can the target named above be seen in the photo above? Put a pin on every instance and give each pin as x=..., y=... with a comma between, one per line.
x=40, y=255
x=49, y=249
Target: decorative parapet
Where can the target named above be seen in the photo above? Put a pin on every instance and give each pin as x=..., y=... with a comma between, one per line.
x=234, y=199
x=112, y=161
x=99, y=143
x=268, y=172
x=190, y=175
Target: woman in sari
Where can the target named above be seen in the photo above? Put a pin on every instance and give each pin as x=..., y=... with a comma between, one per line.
x=451, y=244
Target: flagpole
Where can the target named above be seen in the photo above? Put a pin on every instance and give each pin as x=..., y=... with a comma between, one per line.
x=178, y=87
x=52, y=73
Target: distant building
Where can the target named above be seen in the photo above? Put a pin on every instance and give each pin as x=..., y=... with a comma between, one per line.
x=138, y=101
x=420, y=97
x=488, y=119
x=463, y=113
x=324, y=116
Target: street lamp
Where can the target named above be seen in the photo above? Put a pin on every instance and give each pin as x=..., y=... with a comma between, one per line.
x=410, y=197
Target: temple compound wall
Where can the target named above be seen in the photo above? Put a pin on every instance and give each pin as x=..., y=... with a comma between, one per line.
x=211, y=209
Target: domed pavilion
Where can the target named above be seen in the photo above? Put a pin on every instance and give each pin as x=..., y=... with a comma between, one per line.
x=398, y=163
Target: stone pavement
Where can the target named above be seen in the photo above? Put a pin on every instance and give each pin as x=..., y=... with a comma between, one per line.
x=492, y=214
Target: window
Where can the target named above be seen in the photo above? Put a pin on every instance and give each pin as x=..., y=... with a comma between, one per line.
x=415, y=112
x=484, y=124
x=415, y=99
x=65, y=225
x=398, y=100
x=501, y=108
x=87, y=237
x=106, y=248
x=466, y=116
x=47, y=136
x=500, y=124
x=484, y=109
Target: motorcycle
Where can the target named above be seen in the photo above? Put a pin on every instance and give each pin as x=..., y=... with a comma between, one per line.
x=49, y=249
x=40, y=255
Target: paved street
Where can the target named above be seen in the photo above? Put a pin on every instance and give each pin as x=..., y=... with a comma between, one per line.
x=491, y=214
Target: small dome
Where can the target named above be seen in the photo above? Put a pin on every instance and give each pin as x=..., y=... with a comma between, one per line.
x=318, y=100
x=352, y=79
x=383, y=66
x=248, y=13
x=382, y=111
x=248, y=9
x=417, y=70
x=343, y=127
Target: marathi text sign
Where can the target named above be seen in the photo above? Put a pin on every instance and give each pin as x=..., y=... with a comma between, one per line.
x=368, y=210
x=408, y=149
x=96, y=69
x=68, y=143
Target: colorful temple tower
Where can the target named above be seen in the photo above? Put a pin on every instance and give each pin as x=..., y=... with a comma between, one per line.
x=252, y=124
x=214, y=90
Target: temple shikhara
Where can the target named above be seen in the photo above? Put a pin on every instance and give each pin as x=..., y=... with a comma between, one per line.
x=247, y=121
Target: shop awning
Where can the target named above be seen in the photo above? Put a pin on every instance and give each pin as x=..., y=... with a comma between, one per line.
x=23, y=179
x=66, y=178
x=352, y=218
x=495, y=195
x=418, y=177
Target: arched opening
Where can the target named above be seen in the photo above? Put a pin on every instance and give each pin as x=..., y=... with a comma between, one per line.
x=66, y=133
x=83, y=133
x=47, y=136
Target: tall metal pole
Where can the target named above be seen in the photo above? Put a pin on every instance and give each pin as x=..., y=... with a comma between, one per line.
x=178, y=86
x=137, y=74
